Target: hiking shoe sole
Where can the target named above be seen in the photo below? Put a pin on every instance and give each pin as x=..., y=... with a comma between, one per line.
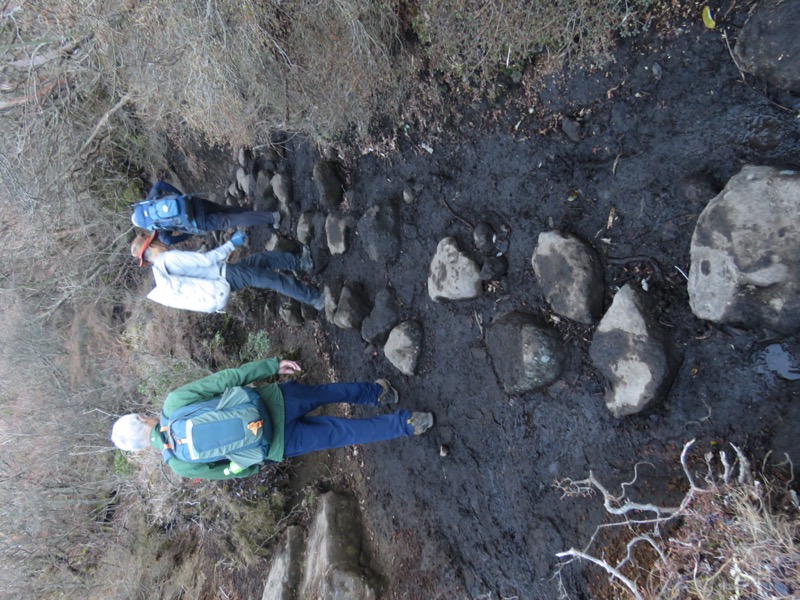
x=421, y=422
x=389, y=394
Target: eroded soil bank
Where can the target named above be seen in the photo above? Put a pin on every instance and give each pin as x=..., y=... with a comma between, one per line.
x=486, y=521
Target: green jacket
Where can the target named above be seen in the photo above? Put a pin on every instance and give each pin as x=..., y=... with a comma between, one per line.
x=214, y=385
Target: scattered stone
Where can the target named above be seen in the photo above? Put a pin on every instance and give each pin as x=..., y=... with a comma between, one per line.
x=243, y=181
x=289, y=312
x=631, y=350
x=484, y=237
x=263, y=186
x=526, y=354
x=278, y=243
x=444, y=450
x=331, y=568
x=408, y=196
x=494, y=267
x=452, y=274
x=337, y=232
x=379, y=232
x=305, y=228
x=233, y=191
x=329, y=185
x=285, y=567
x=403, y=346
x=352, y=308
x=571, y=128
x=384, y=316
x=281, y=188
x=768, y=45
x=569, y=272
x=745, y=253
x=330, y=293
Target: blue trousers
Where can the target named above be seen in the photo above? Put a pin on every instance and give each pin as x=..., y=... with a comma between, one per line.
x=259, y=271
x=217, y=217
x=303, y=434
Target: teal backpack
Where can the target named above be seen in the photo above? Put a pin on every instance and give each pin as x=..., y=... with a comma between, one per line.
x=234, y=427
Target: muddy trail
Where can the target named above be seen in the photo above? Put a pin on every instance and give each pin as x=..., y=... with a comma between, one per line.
x=625, y=157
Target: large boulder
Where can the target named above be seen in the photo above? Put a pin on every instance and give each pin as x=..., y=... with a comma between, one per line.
x=403, y=346
x=632, y=351
x=768, y=45
x=745, y=253
x=379, y=232
x=569, y=272
x=526, y=354
x=452, y=274
x=286, y=567
x=331, y=568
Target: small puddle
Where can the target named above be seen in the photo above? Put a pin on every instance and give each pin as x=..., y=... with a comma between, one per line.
x=775, y=359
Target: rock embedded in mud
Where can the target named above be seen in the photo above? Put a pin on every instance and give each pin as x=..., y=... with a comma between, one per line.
x=745, y=253
x=403, y=346
x=569, y=273
x=305, y=228
x=329, y=185
x=484, y=237
x=526, y=354
x=379, y=232
x=331, y=568
x=452, y=274
x=337, y=232
x=384, y=316
x=633, y=352
x=352, y=308
x=768, y=45
x=281, y=188
x=494, y=267
x=285, y=569
x=289, y=313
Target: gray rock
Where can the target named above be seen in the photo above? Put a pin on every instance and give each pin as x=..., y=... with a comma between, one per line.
x=526, y=354
x=379, y=232
x=484, y=237
x=329, y=185
x=279, y=243
x=403, y=346
x=768, y=45
x=632, y=351
x=352, y=308
x=281, y=188
x=331, y=292
x=243, y=180
x=745, y=253
x=337, y=232
x=331, y=568
x=570, y=275
x=289, y=312
x=571, y=128
x=285, y=568
x=263, y=186
x=305, y=227
x=494, y=267
x=452, y=274
x=408, y=196
x=385, y=315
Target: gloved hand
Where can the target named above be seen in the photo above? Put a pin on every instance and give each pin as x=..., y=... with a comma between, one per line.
x=238, y=239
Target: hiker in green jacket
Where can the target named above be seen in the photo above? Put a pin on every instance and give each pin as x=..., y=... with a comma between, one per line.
x=219, y=427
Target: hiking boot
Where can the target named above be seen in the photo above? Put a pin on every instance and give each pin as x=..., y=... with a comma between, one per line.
x=421, y=422
x=318, y=302
x=389, y=394
x=276, y=224
x=306, y=262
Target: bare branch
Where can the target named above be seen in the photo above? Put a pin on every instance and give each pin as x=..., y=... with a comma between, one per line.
x=604, y=565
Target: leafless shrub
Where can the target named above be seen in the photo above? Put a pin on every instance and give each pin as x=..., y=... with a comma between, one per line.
x=728, y=538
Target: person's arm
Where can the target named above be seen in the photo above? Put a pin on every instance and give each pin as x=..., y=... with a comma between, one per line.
x=208, y=470
x=160, y=188
x=214, y=385
x=168, y=238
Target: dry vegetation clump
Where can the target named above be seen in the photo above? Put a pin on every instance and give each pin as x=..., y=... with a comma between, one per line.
x=730, y=537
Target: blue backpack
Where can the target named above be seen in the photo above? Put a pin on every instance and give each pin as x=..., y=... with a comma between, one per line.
x=168, y=213
x=233, y=427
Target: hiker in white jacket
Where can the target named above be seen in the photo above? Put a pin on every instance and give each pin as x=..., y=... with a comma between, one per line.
x=203, y=281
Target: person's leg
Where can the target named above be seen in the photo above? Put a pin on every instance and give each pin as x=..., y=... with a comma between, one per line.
x=219, y=217
x=241, y=275
x=300, y=399
x=273, y=261
x=309, y=434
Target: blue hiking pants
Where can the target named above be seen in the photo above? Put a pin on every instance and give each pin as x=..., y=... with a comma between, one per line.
x=217, y=217
x=259, y=271
x=303, y=434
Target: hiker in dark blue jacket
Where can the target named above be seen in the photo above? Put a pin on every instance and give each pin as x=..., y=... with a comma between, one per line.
x=201, y=215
